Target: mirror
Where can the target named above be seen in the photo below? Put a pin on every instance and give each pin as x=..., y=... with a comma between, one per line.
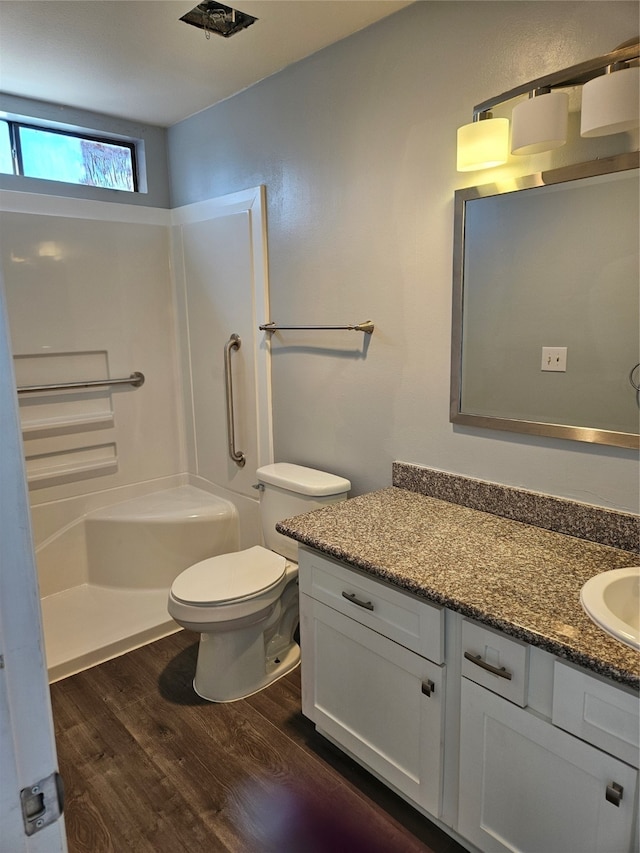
x=546, y=313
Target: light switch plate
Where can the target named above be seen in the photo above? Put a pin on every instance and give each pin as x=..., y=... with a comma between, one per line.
x=554, y=359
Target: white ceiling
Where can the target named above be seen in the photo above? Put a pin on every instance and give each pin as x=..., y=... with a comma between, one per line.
x=135, y=59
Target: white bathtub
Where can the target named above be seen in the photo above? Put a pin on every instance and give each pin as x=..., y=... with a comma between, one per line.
x=105, y=578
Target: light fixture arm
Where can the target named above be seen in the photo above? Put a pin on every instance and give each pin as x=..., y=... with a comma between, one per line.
x=575, y=75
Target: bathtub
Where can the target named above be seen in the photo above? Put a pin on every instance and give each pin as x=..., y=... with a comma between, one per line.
x=105, y=578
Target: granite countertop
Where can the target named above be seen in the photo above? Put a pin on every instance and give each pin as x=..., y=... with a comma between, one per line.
x=516, y=577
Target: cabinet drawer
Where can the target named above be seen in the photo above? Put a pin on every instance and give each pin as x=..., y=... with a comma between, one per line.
x=495, y=661
x=401, y=617
x=597, y=711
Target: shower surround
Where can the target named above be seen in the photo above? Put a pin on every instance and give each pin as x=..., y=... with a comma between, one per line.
x=100, y=290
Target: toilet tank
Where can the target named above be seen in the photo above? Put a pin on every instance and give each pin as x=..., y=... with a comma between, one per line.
x=290, y=490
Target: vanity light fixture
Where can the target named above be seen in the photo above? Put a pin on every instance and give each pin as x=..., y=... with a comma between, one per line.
x=610, y=104
x=483, y=143
x=540, y=123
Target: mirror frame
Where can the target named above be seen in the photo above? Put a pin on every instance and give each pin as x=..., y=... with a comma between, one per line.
x=609, y=165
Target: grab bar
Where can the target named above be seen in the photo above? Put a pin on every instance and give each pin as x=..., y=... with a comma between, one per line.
x=367, y=327
x=237, y=455
x=136, y=379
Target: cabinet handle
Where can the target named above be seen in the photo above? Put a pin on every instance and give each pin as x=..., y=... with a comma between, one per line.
x=428, y=687
x=501, y=671
x=352, y=597
x=614, y=794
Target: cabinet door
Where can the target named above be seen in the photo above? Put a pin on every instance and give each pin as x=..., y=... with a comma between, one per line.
x=370, y=696
x=527, y=786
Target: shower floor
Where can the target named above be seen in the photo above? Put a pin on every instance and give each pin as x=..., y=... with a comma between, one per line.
x=89, y=624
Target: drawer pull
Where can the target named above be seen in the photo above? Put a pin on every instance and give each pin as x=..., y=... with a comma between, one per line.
x=428, y=687
x=614, y=793
x=501, y=671
x=353, y=598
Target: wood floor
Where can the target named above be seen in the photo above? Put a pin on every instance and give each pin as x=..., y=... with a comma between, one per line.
x=148, y=766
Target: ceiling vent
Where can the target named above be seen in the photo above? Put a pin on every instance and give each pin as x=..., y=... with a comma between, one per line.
x=215, y=18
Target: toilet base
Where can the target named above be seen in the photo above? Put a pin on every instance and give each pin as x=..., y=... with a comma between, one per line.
x=245, y=675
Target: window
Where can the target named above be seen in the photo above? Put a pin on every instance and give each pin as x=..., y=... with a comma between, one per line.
x=6, y=160
x=60, y=155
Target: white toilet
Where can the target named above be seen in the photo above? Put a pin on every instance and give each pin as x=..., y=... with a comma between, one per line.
x=245, y=604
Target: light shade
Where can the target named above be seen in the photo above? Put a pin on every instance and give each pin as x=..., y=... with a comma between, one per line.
x=483, y=144
x=611, y=103
x=540, y=123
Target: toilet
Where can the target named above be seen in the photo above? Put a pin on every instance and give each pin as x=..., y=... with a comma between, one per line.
x=245, y=604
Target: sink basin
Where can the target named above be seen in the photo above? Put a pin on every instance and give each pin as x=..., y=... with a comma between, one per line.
x=612, y=600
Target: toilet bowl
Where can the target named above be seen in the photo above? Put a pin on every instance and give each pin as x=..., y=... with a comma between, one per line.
x=245, y=604
x=237, y=603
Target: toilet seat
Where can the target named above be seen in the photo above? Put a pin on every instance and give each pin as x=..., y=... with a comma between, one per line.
x=238, y=576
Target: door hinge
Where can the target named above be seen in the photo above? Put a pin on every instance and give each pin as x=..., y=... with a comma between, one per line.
x=42, y=803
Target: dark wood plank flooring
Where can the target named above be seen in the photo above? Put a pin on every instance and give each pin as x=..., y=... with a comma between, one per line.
x=149, y=766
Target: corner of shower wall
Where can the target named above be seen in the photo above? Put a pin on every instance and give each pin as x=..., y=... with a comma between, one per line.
x=248, y=510
x=183, y=349
x=220, y=275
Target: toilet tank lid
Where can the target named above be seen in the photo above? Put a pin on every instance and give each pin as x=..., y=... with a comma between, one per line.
x=301, y=480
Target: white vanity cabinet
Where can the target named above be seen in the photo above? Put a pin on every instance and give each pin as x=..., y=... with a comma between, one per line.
x=373, y=679
x=536, y=755
x=526, y=784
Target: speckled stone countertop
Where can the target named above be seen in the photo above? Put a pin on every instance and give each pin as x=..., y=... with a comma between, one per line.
x=516, y=577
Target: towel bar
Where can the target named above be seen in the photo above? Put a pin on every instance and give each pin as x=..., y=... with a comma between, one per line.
x=367, y=327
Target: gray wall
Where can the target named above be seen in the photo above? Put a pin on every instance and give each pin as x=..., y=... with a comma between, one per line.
x=154, y=163
x=356, y=146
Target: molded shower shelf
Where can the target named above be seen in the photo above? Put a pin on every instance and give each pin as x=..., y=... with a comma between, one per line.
x=44, y=426
x=71, y=463
x=68, y=470
x=53, y=421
